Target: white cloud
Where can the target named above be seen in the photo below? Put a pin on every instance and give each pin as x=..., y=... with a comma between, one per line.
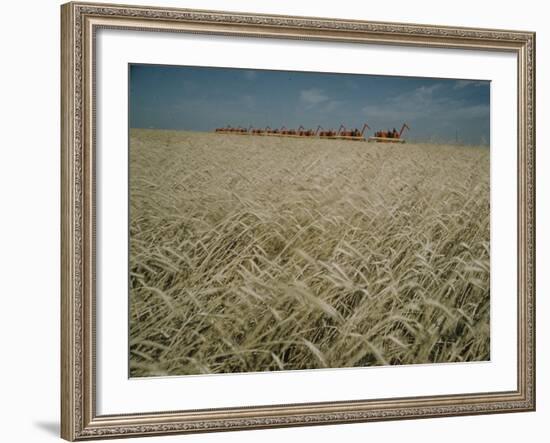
x=460, y=84
x=332, y=105
x=423, y=94
x=429, y=107
x=312, y=97
x=409, y=105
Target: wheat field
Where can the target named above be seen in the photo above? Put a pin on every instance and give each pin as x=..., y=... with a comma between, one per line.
x=252, y=253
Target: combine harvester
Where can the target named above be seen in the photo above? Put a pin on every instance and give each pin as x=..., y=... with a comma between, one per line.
x=229, y=130
x=389, y=136
x=303, y=132
x=354, y=134
x=256, y=131
x=225, y=130
x=344, y=134
x=341, y=134
x=331, y=133
x=289, y=132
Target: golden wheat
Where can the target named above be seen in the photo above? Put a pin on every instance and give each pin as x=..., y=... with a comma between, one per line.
x=262, y=253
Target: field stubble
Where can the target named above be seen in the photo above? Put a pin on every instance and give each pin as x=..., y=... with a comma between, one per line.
x=264, y=253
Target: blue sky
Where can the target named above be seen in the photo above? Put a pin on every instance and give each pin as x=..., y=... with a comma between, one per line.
x=201, y=99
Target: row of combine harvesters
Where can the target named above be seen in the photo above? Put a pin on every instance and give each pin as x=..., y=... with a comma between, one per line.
x=389, y=136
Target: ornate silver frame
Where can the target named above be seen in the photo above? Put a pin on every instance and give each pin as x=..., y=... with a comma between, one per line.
x=80, y=21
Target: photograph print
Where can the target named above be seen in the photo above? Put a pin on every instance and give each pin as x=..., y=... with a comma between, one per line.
x=283, y=221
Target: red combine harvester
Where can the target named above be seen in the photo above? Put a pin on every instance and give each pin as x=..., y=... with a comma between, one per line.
x=269, y=131
x=389, y=136
x=257, y=131
x=353, y=134
x=240, y=130
x=230, y=130
x=331, y=133
x=223, y=130
x=303, y=132
x=288, y=132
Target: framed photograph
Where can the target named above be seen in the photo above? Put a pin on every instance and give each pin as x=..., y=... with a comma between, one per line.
x=283, y=221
